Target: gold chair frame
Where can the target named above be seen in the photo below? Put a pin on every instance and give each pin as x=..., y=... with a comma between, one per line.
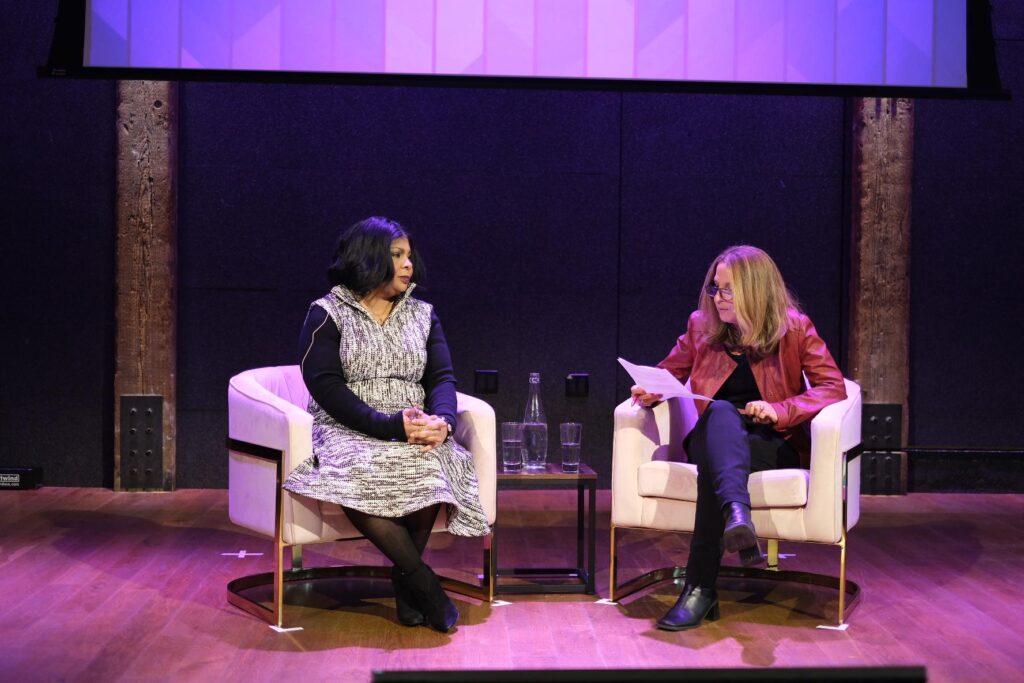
x=849, y=591
x=274, y=615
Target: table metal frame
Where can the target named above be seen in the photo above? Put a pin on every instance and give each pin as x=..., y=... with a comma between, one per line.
x=581, y=577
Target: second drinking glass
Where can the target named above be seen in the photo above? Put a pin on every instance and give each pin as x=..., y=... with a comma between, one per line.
x=570, y=434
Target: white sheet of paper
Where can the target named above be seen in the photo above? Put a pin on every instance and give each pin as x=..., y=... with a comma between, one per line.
x=658, y=381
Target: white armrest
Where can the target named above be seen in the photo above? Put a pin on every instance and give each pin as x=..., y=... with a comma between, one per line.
x=260, y=417
x=834, y=431
x=640, y=436
x=476, y=432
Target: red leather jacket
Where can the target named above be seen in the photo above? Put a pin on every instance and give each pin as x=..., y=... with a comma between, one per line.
x=779, y=376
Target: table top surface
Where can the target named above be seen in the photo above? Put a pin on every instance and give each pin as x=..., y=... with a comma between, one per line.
x=551, y=471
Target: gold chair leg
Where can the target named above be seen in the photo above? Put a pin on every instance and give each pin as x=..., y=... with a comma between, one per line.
x=617, y=592
x=842, y=577
x=279, y=547
x=489, y=573
x=612, y=567
x=279, y=583
x=773, y=554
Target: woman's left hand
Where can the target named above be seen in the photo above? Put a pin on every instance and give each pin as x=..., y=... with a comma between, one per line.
x=429, y=431
x=761, y=412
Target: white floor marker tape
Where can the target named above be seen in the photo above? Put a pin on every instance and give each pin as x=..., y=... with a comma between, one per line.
x=605, y=601
x=281, y=629
x=500, y=603
x=242, y=554
x=841, y=627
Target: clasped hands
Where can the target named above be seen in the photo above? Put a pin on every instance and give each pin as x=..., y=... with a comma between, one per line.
x=760, y=412
x=422, y=429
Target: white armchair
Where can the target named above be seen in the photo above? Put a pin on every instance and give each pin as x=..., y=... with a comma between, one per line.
x=269, y=434
x=653, y=487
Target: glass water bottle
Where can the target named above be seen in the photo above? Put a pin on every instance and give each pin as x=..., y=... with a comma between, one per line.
x=535, y=428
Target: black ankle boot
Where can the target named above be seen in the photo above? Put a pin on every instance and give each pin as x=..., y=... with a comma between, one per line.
x=694, y=606
x=409, y=613
x=739, y=535
x=431, y=598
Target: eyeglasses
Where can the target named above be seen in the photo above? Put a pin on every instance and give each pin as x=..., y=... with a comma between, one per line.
x=713, y=289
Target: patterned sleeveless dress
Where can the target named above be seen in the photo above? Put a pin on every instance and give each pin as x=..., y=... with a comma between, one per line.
x=383, y=365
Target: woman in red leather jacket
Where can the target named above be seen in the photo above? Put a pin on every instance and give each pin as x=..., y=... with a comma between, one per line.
x=748, y=347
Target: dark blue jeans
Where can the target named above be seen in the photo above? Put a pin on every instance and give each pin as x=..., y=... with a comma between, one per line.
x=726, y=447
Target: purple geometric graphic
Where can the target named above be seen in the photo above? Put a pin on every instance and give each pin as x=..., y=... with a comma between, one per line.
x=358, y=37
x=306, y=34
x=860, y=42
x=509, y=37
x=106, y=33
x=711, y=41
x=560, y=39
x=611, y=52
x=760, y=41
x=661, y=40
x=810, y=41
x=882, y=42
x=459, y=37
x=908, y=42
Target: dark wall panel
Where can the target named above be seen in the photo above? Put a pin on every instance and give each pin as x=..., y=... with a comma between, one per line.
x=512, y=198
x=532, y=292
x=523, y=248
x=967, y=238
x=701, y=173
x=56, y=260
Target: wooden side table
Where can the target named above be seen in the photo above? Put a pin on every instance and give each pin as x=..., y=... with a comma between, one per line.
x=552, y=579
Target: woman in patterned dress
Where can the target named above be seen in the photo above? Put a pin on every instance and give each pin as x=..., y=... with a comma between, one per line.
x=382, y=396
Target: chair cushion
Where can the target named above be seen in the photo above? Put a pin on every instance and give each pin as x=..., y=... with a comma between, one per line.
x=769, y=489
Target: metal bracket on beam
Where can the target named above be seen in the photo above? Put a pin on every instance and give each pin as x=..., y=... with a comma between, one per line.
x=881, y=425
x=142, y=438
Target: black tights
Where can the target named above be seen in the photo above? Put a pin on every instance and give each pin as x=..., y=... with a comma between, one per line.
x=401, y=539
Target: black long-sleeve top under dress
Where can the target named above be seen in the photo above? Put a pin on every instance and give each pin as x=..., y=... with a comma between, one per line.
x=361, y=374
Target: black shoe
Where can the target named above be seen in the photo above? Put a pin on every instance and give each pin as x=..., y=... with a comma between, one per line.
x=409, y=613
x=431, y=598
x=739, y=535
x=694, y=606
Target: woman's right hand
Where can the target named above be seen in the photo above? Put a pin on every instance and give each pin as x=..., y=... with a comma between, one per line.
x=414, y=419
x=424, y=430
x=641, y=396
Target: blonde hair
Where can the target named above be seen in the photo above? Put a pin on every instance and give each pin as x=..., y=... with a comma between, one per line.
x=760, y=298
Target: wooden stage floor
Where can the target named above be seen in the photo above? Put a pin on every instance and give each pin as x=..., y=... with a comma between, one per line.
x=99, y=586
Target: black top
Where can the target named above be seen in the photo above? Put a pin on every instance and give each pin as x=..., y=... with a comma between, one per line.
x=319, y=345
x=768, y=448
x=739, y=388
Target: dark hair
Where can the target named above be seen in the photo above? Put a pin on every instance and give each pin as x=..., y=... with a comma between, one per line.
x=362, y=255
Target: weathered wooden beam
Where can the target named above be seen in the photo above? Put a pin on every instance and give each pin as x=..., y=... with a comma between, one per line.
x=146, y=308
x=883, y=154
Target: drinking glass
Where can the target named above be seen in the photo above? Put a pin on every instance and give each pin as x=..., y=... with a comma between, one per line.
x=570, y=435
x=512, y=446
